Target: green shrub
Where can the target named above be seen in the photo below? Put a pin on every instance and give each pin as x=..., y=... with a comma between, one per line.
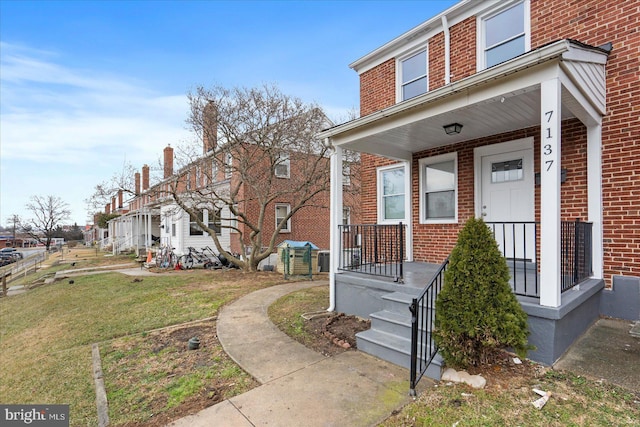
x=477, y=314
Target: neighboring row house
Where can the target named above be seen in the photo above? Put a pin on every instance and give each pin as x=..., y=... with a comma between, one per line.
x=152, y=218
x=520, y=112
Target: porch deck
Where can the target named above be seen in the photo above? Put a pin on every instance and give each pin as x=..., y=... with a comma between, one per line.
x=417, y=275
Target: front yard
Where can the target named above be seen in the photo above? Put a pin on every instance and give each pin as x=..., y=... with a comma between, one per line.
x=46, y=336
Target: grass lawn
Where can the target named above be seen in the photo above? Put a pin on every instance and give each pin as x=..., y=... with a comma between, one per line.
x=46, y=334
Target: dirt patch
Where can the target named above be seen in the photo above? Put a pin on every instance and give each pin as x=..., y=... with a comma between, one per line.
x=334, y=333
x=168, y=379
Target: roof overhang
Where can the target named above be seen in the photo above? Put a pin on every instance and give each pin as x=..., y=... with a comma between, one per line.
x=500, y=99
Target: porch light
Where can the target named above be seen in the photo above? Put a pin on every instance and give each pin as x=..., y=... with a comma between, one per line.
x=452, y=129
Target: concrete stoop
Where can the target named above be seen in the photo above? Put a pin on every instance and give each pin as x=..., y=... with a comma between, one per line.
x=389, y=337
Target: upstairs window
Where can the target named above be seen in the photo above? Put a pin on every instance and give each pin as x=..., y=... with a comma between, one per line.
x=282, y=166
x=505, y=35
x=413, y=75
x=228, y=165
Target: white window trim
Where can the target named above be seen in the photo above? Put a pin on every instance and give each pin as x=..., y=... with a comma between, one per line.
x=399, y=61
x=346, y=210
x=407, y=193
x=275, y=211
x=283, y=160
x=480, y=28
x=228, y=165
x=423, y=164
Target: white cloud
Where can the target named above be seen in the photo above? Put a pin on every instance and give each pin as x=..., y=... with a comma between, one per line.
x=86, y=122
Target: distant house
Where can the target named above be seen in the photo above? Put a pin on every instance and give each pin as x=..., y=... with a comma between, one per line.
x=523, y=113
x=152, y=219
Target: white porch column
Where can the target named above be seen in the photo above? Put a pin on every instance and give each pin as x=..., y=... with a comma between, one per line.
x=594, y=195
x=550, y=283
x=149, y=239
x=335, y=220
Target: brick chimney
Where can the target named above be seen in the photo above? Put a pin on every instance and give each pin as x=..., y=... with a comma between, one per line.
x=137, y=179
x=113, y=203
x=210, y=131
x=120, y=205
x=107, y=208
x=145, y=177
x=168, y=161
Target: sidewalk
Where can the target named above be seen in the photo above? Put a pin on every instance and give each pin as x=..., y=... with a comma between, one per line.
x=606, y=351
x=299, y=386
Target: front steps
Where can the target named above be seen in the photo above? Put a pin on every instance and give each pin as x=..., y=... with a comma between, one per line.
x=390, y=335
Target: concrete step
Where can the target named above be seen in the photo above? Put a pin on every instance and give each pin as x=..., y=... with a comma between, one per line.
x=391, y=323
x=394, y=349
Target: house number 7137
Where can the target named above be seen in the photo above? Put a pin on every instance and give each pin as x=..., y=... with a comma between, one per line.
x=548, y=148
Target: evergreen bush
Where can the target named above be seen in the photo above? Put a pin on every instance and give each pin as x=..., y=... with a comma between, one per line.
x=477, y=313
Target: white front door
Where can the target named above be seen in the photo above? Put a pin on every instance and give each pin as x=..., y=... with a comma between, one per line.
x=507, y=197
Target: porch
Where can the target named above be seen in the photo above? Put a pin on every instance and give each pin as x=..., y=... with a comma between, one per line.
x=375, y=282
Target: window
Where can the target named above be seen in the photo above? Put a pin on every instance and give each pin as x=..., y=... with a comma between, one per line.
x=282, y=166
x=173, y=230
x=228, y=165
x=391, y=188
x=438, y=189
x=346, y=216
x=505, y=35
x=194, y=228
x=413, y=75
x=281, y=213
x=346, y=173
x=189, y=180
x=198, y=176
x=214, y=221
x=511, y=170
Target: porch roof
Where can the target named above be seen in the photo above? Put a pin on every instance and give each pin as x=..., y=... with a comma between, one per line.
x=499, y=99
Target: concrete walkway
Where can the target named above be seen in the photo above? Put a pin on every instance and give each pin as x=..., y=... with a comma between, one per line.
x=606, y=351
x=299, y=386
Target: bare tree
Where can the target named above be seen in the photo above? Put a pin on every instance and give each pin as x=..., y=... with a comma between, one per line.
x=48, y=212
x=248, y=139
x=104, y=191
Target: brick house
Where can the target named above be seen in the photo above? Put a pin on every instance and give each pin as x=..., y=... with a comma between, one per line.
x=524, y=113
x=152, y=219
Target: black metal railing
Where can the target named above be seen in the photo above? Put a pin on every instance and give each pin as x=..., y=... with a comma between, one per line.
x=576, y=252
x=423, y=316
x=373, y=249
x=518, y=242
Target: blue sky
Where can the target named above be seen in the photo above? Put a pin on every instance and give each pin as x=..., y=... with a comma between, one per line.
x=86, y=86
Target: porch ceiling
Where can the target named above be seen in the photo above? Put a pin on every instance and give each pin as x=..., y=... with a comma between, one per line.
x=501, y=99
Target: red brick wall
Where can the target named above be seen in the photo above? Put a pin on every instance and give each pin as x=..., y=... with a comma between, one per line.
x=378, y=88
x=436, y=61
x=597, y=22
x=463, y=49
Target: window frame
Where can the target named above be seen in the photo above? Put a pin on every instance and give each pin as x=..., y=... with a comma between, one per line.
x=481, y=59
x=346, y=215
x=214, y=222
x=400, y=84
x=228, y=165
x=380, y=193
x=283, y=160
x=422, y=176
x=275, y=211
x=194, y=228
